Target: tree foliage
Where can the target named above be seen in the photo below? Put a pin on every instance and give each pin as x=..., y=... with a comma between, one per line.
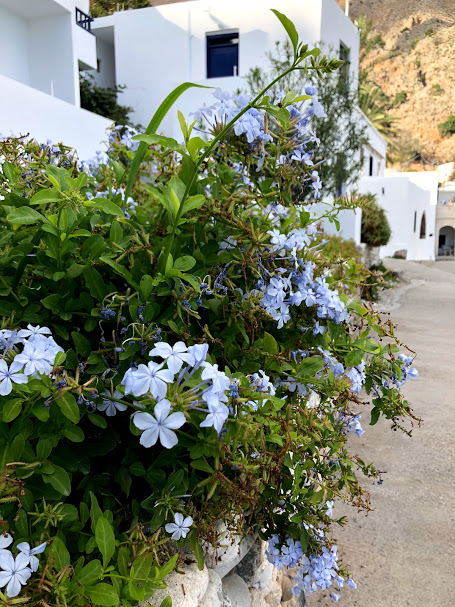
x=103, y=101
x=342, y=133
x=376, y=230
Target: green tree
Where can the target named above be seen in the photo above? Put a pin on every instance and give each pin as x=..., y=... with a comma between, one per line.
x=100, y=8
x=103, y=101
x=341, y=133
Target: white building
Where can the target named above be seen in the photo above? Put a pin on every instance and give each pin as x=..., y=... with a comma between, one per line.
x=43, y=45
x=410, y=201
x=215, y=43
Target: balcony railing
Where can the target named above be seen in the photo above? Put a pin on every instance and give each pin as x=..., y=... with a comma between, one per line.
x=84, y=20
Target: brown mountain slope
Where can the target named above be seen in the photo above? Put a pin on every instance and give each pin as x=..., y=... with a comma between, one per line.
x=417, y=63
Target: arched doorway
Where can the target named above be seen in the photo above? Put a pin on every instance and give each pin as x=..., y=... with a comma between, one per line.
x=446, y=241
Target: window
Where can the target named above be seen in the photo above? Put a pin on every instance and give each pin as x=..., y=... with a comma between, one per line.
x=371, y=166
x=222, y=55
x=415, y=221
x=344, y=69
x=423, y=226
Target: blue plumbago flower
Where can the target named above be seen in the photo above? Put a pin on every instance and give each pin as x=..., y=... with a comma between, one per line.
x=220, y=381
x=180, y=527
x=38, y=354
x=289, y=555
x=351, y=583
x=317, y=572
x=335, y=597
x=357, y=376
x=329, y=507
x=111, y=406
x=31, y=553
x=5, y=541
x=217, y=415
x=148, y=378
x=199, y=353
x=159, y=427
x=351, y=422
x=174, y=356
x=15, y=572
x=32, y=331
x=10, y=376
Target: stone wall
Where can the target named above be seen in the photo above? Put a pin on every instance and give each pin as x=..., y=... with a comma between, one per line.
x=239, y=575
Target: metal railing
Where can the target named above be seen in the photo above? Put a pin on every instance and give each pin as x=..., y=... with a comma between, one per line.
x=84, y=20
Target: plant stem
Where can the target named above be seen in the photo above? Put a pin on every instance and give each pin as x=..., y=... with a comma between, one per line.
x=207, y=153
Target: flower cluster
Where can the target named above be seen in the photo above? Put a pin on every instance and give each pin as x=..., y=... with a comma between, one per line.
x=320, y=572
x=15, y=571
x=38, y=353
x=208, y=396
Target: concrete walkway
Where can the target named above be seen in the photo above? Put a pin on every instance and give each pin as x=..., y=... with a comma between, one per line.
x=403, y=553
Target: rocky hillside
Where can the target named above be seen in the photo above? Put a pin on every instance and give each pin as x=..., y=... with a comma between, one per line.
x=415, y=68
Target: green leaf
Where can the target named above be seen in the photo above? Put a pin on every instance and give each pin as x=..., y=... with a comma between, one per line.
x=167, y=602
x=310, y=366
x=184, y=263
x=199, y=554
x=289, y=27
x=74, y=434
x=146, y=286
x=103, y=595
x=105, y=539
x=194, y=202
x=24, y=216
x=11, y=409
x=121, y=270
x=95, y=283
x=375, y=413
x=68, y=407
x=97, y=420
x=194, y=145
x=152, y=128
x=169, y=566
x=59, y=479
x=95, y=511
x=202, y=464
x=107, y=206
x=116, y=232
x=165, y=142
x=270, y=344
x=43, y=448
x=90, y=573
x=354, y=358
x=304, y=539
x=46, y=196
x=60, y=553
x=82, y=344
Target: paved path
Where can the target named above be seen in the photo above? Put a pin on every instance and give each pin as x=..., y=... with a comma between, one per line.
x=403, y=553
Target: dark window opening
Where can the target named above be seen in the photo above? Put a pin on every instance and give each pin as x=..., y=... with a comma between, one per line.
x=343, y=72
x=339, y=190
x=98, y=65
x=371, y=166
x=415, y=221
x=222, y=55
x=423, y=226
x=442, y=240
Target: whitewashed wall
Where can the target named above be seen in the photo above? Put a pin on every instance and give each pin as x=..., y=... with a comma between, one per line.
x=160, y=47
x=24, y=110
x=406, y=196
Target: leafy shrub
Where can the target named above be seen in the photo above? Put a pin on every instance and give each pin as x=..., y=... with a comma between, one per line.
x=178, y=351
x=103, y=101
x=447, y=127
x=436, y=89
x=375, y=230
x=400, y=98
x=429, y=32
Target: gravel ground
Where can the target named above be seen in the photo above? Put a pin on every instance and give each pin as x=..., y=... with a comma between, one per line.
x=403, y=553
